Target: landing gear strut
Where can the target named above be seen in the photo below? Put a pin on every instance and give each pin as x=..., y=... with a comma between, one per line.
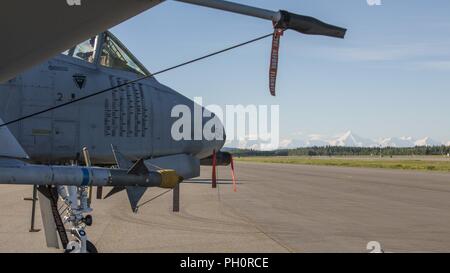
x=74, y=213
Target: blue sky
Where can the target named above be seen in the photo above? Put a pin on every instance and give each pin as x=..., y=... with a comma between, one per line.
x=389, y=77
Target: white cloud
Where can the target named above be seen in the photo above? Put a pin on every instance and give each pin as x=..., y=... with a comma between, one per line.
x=434, y=65
x=394, y=52
x=371, y=54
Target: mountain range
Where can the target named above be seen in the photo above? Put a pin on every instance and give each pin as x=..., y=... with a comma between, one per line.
x=347, y=139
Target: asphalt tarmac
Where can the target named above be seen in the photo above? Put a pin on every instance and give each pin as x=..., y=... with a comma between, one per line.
x=277, y=208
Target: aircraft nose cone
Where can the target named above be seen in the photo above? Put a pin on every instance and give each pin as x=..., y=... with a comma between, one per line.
x=214, y=136
x=219, y=135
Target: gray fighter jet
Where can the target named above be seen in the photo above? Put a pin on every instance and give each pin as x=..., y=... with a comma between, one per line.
x=128, y=126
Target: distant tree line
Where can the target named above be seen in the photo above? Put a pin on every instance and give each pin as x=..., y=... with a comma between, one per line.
x=347, y=151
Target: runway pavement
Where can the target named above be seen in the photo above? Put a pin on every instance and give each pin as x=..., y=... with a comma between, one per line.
x=278, y=208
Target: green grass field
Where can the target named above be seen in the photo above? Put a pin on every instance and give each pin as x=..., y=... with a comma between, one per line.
x=421, y=164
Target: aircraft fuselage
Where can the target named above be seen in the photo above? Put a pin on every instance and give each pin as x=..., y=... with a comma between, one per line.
x=135, y=118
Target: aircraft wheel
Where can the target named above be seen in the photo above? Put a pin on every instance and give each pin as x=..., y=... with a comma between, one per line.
x=90, y=247
x=74, y=247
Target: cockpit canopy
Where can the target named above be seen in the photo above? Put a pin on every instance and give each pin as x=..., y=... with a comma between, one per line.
x=105, y=49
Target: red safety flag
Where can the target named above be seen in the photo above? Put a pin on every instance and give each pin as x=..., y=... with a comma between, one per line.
x=274, y=59
x=214, y=178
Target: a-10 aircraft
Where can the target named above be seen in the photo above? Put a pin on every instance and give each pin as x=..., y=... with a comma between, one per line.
x=127, y=128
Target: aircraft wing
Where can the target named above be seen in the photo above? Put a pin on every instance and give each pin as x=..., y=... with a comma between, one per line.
x=34, y=31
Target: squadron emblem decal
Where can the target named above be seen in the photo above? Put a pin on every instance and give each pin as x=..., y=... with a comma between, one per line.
x=80, y=80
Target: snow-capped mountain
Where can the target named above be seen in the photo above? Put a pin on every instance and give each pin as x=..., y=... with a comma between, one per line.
x=398, y=142
x=316, y=140
x=347, y=139
x=427, y=141
x=292, y=143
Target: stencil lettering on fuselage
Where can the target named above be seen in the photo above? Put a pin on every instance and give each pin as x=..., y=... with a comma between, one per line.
x=125, y=112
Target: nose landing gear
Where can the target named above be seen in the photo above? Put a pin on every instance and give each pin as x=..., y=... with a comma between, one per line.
x=76, y=200
x=73, y=213
x=81, y=244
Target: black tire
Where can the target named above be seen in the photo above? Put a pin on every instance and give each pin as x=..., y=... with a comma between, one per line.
x=90, y=247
